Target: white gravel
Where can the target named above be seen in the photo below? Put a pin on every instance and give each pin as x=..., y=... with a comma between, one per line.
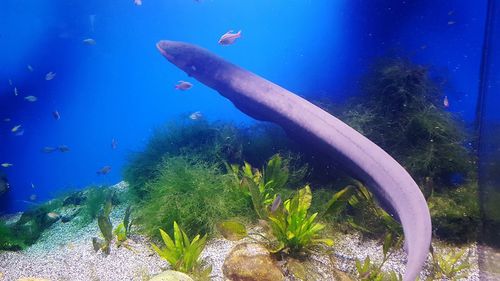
x=65, y=252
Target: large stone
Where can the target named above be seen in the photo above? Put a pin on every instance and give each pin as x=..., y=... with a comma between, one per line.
x=171, y=275
x=251, y=262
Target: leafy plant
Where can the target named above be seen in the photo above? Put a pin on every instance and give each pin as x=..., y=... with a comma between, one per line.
x=450, y=265
x=368, y=271
x=182, y=253
x=121, y=231
x=261, y=186
x=293, y=227
x=106, y=229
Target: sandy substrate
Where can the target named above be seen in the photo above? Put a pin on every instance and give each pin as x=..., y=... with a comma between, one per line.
x=65, y=252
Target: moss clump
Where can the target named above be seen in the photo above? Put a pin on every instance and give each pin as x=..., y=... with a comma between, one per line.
x=455, y=214
x=194, y=193
x=94, y=198
x=214, y=143
x=29, y=227
x=401, y=109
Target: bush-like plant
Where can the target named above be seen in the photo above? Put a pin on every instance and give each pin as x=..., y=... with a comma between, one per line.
x=401, y=109
x=194, y=193
x=292, y=226
x=182, y=253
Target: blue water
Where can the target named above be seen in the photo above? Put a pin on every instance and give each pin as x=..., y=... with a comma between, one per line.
x=122, y=88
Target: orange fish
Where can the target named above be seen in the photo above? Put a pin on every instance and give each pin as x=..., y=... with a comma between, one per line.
x=446, y=102
x=183, y=85
x=229, y=37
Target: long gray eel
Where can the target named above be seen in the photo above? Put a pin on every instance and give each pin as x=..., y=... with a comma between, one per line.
x=264, y=100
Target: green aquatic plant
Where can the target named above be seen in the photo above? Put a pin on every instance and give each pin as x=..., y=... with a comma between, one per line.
x=261, y=186
x=182, y=253
x=95, y=198
x=369, y=271
x=194, y=193
x=106, y=229
x=292, y=226
x=122, y=230
x=456, y=213
x=450, y=266
x=401, y=109
x=9, y=240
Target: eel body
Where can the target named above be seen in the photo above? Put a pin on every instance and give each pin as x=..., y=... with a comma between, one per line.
x=266, y=101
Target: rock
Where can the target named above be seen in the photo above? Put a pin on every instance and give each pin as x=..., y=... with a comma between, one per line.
x=77, y=198
x=171, y=275
x=251, y=262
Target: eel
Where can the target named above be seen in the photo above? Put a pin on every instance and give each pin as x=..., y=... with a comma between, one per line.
x=266, y=101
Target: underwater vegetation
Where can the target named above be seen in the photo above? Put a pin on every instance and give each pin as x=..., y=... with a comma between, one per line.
x=183, y=253
x=401, y=109
x=293, y=227
x=216, y=143
x=26, y=231
x=192, y=192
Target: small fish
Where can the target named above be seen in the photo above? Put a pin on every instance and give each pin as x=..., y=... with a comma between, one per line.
x=104, y=170
x=89, y=41
x=49, y=149
x=451, y=22
x=6, y=120
x=276, y=203
x=30, y=68
x=53, y=215
x=56, y=115
x=183, y=85
x=114, y=143
x=229, y=37
x=16, y=92
x=49, y=76
x=33, y=197
x=451, y=12
x=31, y=98
x=63, y=148
x=16, y=128
x=32, y=185
x=7, y=165
x=446, y=102
x=423, y=47
x=138, y=2
x=10, y=82
x=196, y=115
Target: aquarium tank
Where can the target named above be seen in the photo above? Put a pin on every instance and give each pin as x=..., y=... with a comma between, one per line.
x=249, y=140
